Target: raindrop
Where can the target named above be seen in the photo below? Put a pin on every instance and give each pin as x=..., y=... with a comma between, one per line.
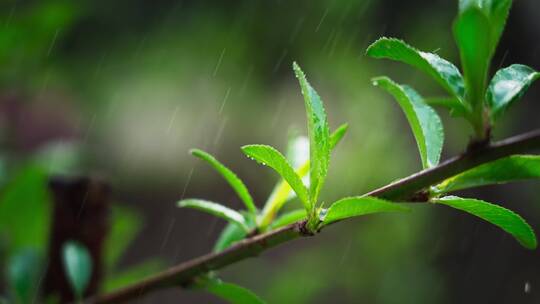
x=173, y=118
x=322, y=214
x=296, y=30
x=246, y=80
x=322, y=19
x=527, y=287
x=220, y=131
x=53, y=42
x=167, y=235
x=280, y=60
x=224, y=100
x=219, y=62
x=188, y=180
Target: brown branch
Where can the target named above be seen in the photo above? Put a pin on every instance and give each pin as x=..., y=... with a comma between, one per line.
x=184, y=273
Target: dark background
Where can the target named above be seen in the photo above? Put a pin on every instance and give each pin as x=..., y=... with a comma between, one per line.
x=122, y=90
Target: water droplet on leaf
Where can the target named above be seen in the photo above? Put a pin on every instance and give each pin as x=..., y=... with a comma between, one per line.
x=322, y=214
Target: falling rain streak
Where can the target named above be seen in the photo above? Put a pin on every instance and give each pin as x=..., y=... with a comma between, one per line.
x=173, y=119
x=224, y=101
x=53, y=42
x=218, y=64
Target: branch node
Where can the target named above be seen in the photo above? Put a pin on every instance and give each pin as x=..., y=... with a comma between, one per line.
x=476, y=145
x=421, y=196
x=303, y=229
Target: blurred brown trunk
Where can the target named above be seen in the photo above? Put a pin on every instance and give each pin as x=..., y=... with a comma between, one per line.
x=81, y=210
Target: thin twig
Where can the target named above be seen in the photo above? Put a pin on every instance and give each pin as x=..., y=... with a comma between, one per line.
x=184, y=273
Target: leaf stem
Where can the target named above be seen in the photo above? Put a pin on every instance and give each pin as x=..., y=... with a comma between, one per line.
x=183, y=274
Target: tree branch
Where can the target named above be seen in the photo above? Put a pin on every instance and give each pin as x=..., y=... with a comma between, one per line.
x=184, y=273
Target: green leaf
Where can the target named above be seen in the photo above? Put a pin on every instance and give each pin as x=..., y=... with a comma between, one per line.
x=232, y=293
x=132, y=274
x=298, y=155
x=501, y=217
x=356, y=206
x=23, y=273
x=337, y=135
x=233, y=180
x=472, y=31
x=444, y=72
x=231, y=234
x=289, y=218
x=507, y=86
x=319, y=136
x=497, y=13
x=78, y=266
x=216, y=209
x=508, y=169
x=425, y=123
x=282, y=192
x=269, y=156
x=26, y=196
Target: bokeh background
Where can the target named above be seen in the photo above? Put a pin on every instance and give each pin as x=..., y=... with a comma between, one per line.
x=122, y=90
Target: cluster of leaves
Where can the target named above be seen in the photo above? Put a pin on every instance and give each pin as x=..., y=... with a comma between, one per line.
x=477, y=29
x=24, y=239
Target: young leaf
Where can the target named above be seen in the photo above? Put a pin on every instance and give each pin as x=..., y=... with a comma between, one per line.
x=472, y=33
x=269, y=156
x=282, y=192
x=77, y=266
x=288, y=218
x=217, y=210
x=231, y=234
x=337, y=135
x=444, y=72
x=425, y=123
x=233, y=180
x=512, y=168
x=497, y=13
x=232, y=293
x=319, y=135
x=356, y=206
x=501, y=217
x=508, y=85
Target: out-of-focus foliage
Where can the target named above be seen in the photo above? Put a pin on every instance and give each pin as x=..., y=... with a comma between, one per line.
x=25, y=212
x=126, y=224
x=29, y=36
x=78, y=266
x=23, y=274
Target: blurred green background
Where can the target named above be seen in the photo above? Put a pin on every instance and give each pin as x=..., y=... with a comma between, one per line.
x=123, y=89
